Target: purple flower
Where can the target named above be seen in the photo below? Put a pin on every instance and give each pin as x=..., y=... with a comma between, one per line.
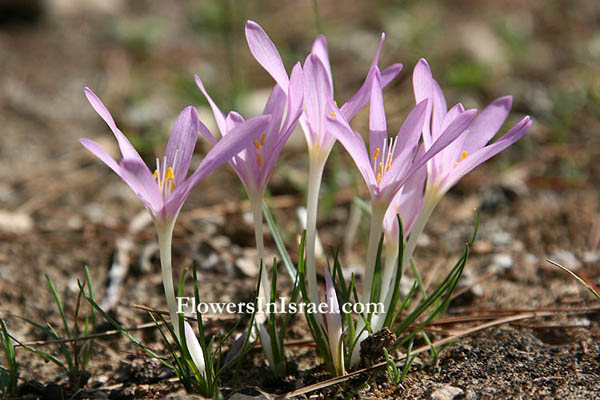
x=164, y=192
x=471, y=148
x=319, y=93
x=254, y=164
x=391, y=161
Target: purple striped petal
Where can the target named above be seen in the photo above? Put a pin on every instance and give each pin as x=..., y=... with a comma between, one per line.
x=440, y=108
x=448, y=136
x=265, y=52
x=377, y=122
x=390, y=73
x=182, y=142
x=127, y=149
x=484, y=154
x=219, y=117
x=487, y=123
x=204, y=131
x=423, y=87
x=354, y=145
x=320, y=49
x=137, y=175
x=408, y=135
x=102, y=154
x=240, y=137
x=317, y=93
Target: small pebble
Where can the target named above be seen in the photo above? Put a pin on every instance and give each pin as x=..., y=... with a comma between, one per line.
x=447, y=393
x=15, y=222
x=566, y=259
x=591, y=257
x=500, y=238
x=502, y=262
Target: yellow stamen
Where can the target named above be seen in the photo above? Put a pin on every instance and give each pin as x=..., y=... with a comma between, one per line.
x=379, y=172
x=332, y=114
x=155, y=174
x=257, y=145
x=170, y=176
x=262, y=139
x=376, y=154
x=462, y=157
x=258, y=160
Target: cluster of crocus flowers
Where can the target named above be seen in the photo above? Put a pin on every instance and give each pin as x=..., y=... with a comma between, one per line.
x=406, y=174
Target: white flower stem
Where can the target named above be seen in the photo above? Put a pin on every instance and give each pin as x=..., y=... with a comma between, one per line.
x=257, y=202
x=390, y=249
x=429, y=204
x=374, y=237
x=315, y=174
x=264, y=289
x=165, y=236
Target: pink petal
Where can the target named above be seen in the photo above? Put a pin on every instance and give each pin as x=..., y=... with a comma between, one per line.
x=423, y=88
x=487, y=123
x=265, y=52
x=354, y=145
x=182, y=143
x=137, y=175
x=239, y=138
x=484, y=154
x=377, y=122
x=204, y=131
x=320, y=49
x=219, y=117
x=317, y=93
x=102, y=154
x=127, y=149
x=440, y=109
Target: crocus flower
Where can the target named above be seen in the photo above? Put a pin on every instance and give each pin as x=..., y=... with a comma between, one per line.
x=254, y=164
x=471, y=148
x=164, y=192
x=390, y=162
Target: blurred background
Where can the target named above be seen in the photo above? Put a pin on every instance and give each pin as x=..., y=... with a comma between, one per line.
x=60, y=208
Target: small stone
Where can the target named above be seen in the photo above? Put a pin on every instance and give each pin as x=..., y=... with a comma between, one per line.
x=469, y=280
x=502, y=262
x=247, y=267
x=424, y=240
x=15, y=222
x=566, y=259
x=590, y=257
x=500, y=238
x=447, y=392
x=530, y=259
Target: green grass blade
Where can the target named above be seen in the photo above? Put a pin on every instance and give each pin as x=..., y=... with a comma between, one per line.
x=59, y=305
x=285, y=257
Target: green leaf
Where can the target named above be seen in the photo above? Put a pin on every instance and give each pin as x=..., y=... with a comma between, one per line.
x=285, y=257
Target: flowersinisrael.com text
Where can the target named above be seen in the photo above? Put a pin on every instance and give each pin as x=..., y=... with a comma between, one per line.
x=188, y=305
